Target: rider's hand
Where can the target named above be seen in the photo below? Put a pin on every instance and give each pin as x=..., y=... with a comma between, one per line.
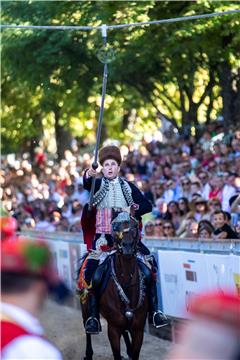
x=91, y=172
x=127, y=209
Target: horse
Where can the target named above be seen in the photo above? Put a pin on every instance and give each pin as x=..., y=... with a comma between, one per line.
x=124, y=303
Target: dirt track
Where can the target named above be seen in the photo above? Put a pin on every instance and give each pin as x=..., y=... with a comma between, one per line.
x=64, y=328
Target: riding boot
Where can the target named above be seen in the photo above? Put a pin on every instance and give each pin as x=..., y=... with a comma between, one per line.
x=156, y=317
x=92, y=325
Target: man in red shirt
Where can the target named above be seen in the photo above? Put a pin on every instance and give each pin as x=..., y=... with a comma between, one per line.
x=27, y=272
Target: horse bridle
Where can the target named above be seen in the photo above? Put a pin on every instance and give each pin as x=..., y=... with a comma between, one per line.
x=118, y=235
x=129, y=312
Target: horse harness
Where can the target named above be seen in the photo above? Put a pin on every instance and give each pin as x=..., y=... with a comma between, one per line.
x=129, y=312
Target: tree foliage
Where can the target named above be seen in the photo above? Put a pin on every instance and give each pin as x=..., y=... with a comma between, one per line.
x=187, y=72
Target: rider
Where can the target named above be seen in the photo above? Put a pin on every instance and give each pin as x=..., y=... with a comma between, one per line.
x=113, y=193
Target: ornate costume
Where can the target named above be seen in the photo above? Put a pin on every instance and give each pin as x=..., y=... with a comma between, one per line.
x=111, y=195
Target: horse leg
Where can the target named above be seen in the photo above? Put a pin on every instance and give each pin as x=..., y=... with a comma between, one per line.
x=128, y=343
x=137, y=340
x=114, y=336
x=89, y=350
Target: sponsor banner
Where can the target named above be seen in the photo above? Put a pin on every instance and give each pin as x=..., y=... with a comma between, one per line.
x=171, y=282
x=185, y=274
x=76, y=251
x=64, y=262
x=66, y=257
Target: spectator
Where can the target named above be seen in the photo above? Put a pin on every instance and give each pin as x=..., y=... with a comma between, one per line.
x=63, y=225
x=160, y=210
x=192, y=229
x=221, y=229
x=203, y=177
x=146, y=190
x=158, y=230
x=168, y=229
x=185, y=190
x=237, y=229
x=234, y=203
x=169, y=193
x=158, y=190
x=216, y=184
x=228, y=191
x=168, y=171
x=184, y=208
x=149, y=229
x=205, y=229
x=201, y=210
x=43, y=223
x=214, y=205
x=80, y=194
x=28, y=224
x=173, y=214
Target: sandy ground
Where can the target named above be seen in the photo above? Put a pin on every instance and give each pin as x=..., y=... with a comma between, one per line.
x=63, y=326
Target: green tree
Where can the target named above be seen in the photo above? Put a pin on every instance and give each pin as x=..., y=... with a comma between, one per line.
x=187, y=72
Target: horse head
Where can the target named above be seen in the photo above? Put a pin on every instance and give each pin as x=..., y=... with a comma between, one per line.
x=125, y=233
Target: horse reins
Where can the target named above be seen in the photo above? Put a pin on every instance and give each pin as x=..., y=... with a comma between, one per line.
x=129, y=311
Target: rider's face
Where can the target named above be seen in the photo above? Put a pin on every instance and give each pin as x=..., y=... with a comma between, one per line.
x=110, y=168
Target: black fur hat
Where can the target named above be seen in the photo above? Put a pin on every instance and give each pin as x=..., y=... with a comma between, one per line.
x=110, y=152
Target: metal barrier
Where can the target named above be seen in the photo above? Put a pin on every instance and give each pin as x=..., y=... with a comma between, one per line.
x=225, y=246
x=54, y=236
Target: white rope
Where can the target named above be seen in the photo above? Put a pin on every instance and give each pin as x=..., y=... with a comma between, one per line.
x=88, y=28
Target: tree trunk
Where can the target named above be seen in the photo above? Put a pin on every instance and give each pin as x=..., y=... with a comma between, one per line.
x=63, y=136
x=225, y=76
x=125, y=120
x=236, y=101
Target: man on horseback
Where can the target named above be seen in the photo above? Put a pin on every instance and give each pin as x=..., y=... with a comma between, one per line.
x=112, y=194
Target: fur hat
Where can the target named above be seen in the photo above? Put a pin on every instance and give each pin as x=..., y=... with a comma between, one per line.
x=110, y=152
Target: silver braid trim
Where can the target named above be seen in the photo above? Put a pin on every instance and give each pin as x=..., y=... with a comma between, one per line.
x=104, y=188
x=127, y=191
x=101, y=193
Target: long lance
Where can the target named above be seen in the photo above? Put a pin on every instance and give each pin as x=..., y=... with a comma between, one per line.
x=100, y=119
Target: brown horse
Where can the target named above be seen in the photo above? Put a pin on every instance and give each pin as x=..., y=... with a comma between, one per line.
x=123, y=303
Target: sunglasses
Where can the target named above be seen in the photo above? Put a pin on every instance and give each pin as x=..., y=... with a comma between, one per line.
x=158, y=224
x=167, y=227
x=185, y=183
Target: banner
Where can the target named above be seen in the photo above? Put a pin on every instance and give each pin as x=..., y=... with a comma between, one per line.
x=185, y=274
x=66, y=257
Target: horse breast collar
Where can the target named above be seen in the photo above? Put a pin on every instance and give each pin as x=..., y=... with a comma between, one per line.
x=129, y=311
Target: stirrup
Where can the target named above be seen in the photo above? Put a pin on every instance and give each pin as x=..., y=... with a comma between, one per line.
x=92, y=326
x=163, y=319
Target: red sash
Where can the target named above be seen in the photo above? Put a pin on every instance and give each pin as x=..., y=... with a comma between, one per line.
x=11, y=331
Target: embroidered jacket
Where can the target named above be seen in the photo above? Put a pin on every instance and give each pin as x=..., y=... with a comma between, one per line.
x=131, y=194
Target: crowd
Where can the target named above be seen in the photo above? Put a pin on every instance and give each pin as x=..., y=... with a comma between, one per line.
x=193, y=185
